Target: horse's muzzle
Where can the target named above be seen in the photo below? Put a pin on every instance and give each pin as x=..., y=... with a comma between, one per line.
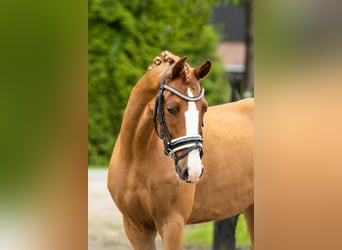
x=184, y=175
x=190, y=169
x=187, y=151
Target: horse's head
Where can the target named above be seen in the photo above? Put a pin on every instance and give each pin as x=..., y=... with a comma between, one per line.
x=180, y=107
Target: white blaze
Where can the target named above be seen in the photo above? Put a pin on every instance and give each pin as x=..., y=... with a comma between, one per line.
x=191, y=126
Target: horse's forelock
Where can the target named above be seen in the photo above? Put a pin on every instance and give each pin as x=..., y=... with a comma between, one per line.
x=165, y=57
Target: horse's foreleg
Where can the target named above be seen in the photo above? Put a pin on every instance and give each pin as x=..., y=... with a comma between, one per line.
x=141, y=237
x=249, y=215
x=171, y=231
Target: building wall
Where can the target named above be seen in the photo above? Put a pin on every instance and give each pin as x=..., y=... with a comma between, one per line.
x=231, y=21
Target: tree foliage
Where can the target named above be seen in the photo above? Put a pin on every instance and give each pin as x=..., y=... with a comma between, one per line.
x=124, y=37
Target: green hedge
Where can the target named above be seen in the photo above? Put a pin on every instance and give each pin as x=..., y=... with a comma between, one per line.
x=124, y=37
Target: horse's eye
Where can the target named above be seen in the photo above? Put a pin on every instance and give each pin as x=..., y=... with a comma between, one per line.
x=171, y=111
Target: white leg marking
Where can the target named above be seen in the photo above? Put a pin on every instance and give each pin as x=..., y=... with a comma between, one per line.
x=191, y=125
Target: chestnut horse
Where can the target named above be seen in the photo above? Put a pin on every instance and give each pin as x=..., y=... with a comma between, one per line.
x=159, y=192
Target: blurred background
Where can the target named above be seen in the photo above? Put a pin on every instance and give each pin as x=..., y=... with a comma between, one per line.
x=124, y=37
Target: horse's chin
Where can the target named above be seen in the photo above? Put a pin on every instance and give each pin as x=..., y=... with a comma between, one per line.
x=193, y=179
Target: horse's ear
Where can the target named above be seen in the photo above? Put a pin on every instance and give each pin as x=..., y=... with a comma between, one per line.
x=203, y=70
x=178, y=67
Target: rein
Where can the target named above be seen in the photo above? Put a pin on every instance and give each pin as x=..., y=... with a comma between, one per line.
x=171, y=147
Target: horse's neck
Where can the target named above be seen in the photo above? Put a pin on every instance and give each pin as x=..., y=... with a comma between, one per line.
x=137, y=124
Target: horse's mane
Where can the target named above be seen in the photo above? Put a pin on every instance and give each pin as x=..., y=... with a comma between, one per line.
x=169, y=58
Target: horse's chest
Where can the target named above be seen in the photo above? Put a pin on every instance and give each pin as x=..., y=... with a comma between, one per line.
x=135, y=202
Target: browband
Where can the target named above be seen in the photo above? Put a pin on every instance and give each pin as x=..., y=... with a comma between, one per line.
x=185, y=97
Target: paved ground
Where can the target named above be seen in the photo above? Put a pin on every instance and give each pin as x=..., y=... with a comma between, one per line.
x=105, y=229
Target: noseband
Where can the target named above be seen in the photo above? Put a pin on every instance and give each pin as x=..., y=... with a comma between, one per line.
x=171, y=147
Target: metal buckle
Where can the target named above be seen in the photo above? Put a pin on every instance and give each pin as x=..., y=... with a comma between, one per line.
x=170, y=153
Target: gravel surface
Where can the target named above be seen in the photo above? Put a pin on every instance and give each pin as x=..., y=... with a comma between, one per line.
x=105, y=229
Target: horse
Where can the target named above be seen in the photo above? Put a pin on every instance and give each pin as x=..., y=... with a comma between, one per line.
x=177, y=161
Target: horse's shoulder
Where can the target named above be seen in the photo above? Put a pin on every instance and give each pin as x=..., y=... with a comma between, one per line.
x=247, y=101
x=247, y=105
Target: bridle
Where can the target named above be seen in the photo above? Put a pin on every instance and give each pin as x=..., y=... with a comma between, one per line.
x=171, y=147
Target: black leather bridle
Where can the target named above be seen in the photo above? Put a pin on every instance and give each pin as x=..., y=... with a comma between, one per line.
x=171, y=147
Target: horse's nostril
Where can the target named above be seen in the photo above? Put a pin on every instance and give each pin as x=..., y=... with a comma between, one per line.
x=186, y=175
